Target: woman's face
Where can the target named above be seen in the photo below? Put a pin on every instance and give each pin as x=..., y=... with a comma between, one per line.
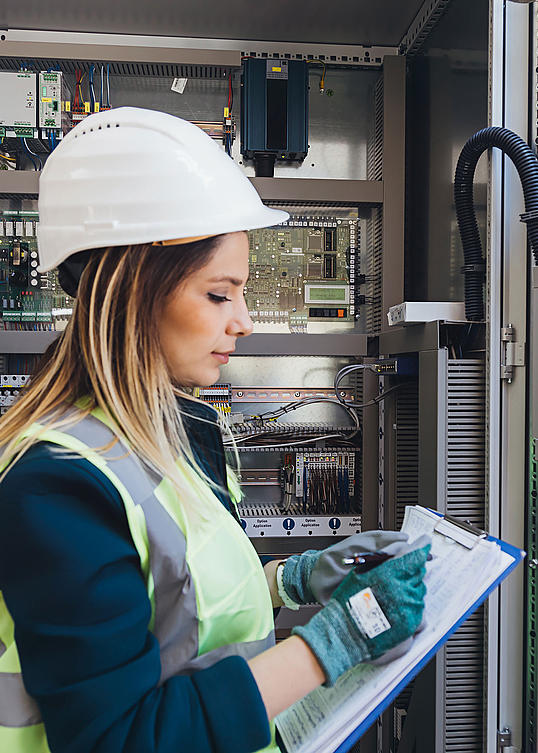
x=206, y=314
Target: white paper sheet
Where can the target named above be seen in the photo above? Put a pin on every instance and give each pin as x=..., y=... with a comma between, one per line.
x=455, y=578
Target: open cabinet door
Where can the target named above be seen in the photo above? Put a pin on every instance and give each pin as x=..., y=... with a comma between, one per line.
x=508, y=415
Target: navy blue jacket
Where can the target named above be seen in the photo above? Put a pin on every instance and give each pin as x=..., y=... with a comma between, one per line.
x=71, y=579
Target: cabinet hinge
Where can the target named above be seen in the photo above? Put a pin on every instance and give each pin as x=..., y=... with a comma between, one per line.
x=504, y=741
x=512, y=353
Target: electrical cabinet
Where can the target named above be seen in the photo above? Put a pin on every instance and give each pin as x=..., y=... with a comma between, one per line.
x=365, y=139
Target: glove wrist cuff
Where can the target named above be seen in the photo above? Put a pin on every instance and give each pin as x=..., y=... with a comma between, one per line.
x=286, y=600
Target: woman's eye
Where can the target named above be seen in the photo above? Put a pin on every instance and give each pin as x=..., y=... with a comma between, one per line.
x=218, y=298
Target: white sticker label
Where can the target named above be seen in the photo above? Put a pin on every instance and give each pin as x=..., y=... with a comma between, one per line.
x=368, y=614
x=178, y=85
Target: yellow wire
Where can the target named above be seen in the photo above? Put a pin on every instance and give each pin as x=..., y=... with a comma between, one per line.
x=322, y=80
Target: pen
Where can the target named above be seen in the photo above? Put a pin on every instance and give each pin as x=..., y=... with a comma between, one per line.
x=367, y=560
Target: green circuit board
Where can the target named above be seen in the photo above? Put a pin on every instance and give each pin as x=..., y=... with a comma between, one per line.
x=303, y=271
x=28, y=300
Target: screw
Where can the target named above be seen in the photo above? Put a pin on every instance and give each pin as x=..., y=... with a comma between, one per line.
x=239, y=394
x=533, y=564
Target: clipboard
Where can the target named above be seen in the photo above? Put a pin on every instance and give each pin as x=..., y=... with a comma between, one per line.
x=466, y=535
x=517, y=554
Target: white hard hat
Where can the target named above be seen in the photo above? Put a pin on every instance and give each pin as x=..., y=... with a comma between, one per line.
x=131, y=175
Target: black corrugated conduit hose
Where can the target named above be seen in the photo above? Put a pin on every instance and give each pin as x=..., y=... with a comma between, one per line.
x=526, y=165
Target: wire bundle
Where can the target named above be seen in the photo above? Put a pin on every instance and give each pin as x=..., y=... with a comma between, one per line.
x=78, y=99
x=38, y=165
x=345, y=371
x=102, y=103
x=6, y=159
x=326, y=491
x=228, y=129
x=274, y=435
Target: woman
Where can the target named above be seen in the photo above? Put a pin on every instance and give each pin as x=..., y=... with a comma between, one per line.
x=137, y=616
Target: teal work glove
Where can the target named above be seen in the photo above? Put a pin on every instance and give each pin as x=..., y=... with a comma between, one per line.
x=313, y=576
x=369, y=613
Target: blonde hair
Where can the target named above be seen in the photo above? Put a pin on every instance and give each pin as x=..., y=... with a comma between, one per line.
x=110, y=353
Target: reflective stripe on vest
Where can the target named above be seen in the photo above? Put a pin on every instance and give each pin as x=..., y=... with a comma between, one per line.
x=207, y=588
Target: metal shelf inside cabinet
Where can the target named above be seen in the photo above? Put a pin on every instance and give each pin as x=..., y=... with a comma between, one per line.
x=26, y=342
x=263, y=344
x=420, y=336
x=135, y=54
x=19, y=182
x=320, y=190
x=283, y=344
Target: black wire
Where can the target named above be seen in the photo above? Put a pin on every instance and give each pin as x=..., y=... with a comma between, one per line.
x=348, y=370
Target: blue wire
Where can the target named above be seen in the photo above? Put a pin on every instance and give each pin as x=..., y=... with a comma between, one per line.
x=32, y=160
x=92, y=93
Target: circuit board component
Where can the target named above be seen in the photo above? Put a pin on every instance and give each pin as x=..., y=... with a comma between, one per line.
x=303, y=271
x=28, y=300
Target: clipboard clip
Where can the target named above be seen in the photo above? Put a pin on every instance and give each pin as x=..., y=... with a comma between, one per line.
x=459, y=530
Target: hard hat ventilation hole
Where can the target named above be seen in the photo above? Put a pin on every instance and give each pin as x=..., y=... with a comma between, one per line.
x=100, y=128
x=117, y=125
x=108, y=125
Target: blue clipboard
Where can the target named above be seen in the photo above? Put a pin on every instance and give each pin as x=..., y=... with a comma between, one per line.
x=518, y=556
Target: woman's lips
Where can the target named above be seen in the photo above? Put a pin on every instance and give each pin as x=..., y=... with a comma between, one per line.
x=221, y=357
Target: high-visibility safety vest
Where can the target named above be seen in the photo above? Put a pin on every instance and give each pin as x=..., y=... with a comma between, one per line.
x=207, y=588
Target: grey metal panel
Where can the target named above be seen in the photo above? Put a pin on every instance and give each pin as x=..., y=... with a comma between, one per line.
x=260, y=345
x=464, y=702
x=21, y=42
x=26, y=342
x=265, y=344
x=394, y=85
x=19, y=182
x=125, y=53
x=284, y=547
x=452, y=478
x=290, y=371
x=370, y=453
x=494, y=308
x=305, y=189
x=432, y=428
x=406, y=428
x=373, y=259
x=409, y=339
x=448, y=102
x=373, y=267
x=345, y=21
x=126, y=68
x=514, y=439
x=424, y=22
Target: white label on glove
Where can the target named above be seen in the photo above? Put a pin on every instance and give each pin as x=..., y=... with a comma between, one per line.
x=367, y=613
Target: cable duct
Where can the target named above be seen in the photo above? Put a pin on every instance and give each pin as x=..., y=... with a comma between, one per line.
x=526, y=165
